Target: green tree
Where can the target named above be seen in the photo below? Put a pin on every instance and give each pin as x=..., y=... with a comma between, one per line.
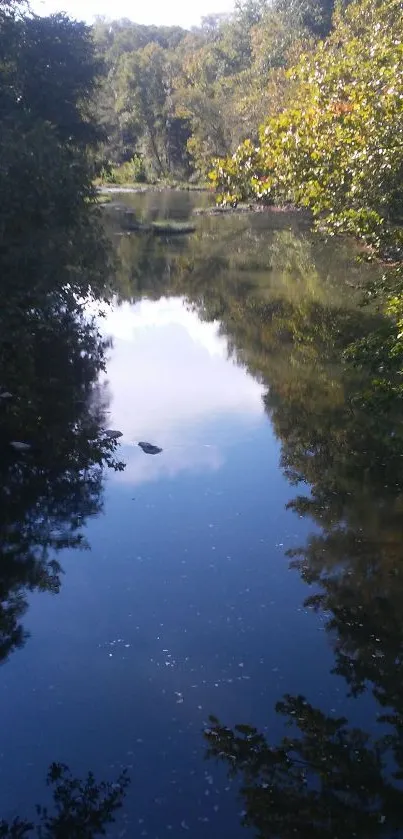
x=144, y=92
x=217, y=83
x=48, y=73
x=337, y=148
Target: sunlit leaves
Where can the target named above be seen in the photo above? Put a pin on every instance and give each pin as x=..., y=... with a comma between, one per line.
x=338, y=148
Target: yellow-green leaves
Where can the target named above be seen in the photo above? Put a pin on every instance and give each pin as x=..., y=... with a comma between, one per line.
x=338, y=147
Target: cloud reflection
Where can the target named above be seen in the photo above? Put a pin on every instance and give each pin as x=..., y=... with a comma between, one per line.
x=173, y=385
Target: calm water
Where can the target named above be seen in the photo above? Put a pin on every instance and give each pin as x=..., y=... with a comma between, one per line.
x=276, y=484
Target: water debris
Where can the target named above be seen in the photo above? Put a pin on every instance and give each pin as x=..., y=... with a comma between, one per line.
x=112, y=434
x=149, y=448
x=6, y=395
x=20, y=447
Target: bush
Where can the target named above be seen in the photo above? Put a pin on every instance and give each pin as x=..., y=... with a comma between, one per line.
x=133, y=171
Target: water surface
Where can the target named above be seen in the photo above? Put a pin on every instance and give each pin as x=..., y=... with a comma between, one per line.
x=226, y=353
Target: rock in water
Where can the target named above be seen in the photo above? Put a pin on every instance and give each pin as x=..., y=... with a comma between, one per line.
x=112, y=434
x=148, y=448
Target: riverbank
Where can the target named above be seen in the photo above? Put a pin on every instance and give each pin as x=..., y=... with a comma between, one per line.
x=140, y=188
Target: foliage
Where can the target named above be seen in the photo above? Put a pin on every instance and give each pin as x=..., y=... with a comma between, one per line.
x=133, y=171
x=48, y=72
x=47, y=144
x=232, y=179
x=82, y=808
x=337, y=148
x=181, y=98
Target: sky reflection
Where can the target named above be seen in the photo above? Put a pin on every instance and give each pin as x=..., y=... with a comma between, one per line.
x=173, y=386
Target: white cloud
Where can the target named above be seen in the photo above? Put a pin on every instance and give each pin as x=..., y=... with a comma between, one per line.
x=172, y=384
x=125, y=321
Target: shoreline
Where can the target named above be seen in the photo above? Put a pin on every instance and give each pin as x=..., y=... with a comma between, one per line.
x=139, y=189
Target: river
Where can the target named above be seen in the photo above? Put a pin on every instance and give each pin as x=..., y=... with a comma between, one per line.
x=255, y=557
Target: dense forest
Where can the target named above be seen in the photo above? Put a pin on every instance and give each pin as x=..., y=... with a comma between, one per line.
x=172, y=100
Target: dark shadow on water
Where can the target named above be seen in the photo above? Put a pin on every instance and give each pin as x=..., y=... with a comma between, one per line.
x=323, y=779
x=50, y=363
x=80, y=808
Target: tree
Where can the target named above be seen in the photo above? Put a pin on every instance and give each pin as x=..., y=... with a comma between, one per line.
x=49, y=73
x=337, y=148
x=144, y=92
x=217, y=82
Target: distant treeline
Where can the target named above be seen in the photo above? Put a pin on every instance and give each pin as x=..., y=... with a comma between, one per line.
x=172, y=100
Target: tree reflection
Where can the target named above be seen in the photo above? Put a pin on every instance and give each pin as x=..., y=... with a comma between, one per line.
x=51, y=355
x=291, y=318
x=81, y=807
x=325, y=779
x=48, y=490
x=335, y=407
x=54, y=256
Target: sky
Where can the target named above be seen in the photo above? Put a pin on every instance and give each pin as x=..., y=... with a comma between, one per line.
x=175, y=12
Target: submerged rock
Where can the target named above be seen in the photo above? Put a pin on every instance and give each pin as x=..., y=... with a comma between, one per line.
x=129, y=223
x=148, y=448
x=171, y=228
